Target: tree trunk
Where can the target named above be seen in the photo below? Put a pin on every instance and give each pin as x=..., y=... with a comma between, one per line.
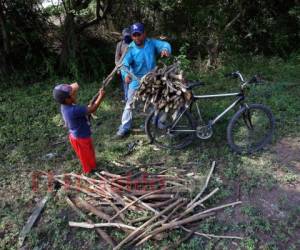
x=69, y=43
x=4, y=49
x=212, y=47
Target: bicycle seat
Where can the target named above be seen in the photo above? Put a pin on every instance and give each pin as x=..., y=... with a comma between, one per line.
x=193, y=84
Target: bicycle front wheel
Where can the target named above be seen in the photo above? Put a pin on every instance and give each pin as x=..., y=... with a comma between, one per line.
x=169, y=133
x=250, y=129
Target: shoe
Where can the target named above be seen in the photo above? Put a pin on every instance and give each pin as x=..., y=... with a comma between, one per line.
x=119, y=136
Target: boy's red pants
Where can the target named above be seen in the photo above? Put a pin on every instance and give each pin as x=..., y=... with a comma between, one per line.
x=85, y=152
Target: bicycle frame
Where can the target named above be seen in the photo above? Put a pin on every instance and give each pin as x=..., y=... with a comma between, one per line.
x=240, y=97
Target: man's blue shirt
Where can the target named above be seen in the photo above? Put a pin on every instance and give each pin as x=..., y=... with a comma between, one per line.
x=141, y=60
x=76, y=119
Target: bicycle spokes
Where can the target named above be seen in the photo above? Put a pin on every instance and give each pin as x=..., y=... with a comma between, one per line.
x=247, y=119
x=250, y=128
x=168, y=132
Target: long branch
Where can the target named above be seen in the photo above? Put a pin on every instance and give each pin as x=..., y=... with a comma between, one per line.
x=99, y=231
x=205, y=185
x=91, y=225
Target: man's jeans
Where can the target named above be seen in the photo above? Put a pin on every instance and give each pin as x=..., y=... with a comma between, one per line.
x=127, y=114
x=125, y=90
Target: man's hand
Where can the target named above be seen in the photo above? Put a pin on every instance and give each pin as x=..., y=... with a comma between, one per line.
x=128, y=79
x=164, y=53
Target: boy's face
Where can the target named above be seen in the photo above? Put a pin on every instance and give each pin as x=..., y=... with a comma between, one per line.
x=73, y=94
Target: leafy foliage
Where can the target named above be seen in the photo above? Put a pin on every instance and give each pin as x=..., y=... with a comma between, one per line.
x=63, y=39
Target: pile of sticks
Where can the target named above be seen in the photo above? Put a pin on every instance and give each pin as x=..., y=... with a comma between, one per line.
x=160, y=203
x=165, y=88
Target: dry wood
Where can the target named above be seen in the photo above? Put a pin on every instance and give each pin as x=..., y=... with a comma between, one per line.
x=158, y=223
x=117, y=210
x=176, y=224
x=165, y=88
x=218, y=236
x=99, y=231
x=111, y=196
x=221, y=207
x=32, y=219
x=112, y=175
x=160, y=204
x=108, y=79
x=83, y=190
x=147, y=180
x=96, y=211
x=141, y=219
x=91, y=225
x=205, y=185
x=188, y=210
x=133, y=202
x=138, y=230
x=143, y=204
x=159, y=196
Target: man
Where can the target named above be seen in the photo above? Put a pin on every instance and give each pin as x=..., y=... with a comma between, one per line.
x=139, y=59
x=120, y=49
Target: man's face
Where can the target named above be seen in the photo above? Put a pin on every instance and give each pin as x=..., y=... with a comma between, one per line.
x=138, y=38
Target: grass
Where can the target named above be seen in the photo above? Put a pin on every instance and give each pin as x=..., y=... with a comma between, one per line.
x=32, y=138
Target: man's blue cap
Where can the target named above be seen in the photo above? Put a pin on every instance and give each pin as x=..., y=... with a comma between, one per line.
x=137, y=28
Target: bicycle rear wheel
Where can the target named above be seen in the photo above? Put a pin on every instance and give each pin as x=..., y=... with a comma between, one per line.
x=250, y=129
x=169, y=133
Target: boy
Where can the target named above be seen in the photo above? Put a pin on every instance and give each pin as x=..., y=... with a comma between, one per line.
x=77, y=121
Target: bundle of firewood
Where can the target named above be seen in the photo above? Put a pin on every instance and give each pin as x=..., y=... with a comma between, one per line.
x=165, y=87
x=159, y=203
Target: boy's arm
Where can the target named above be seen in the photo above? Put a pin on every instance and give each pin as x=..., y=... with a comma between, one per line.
x=92, y=107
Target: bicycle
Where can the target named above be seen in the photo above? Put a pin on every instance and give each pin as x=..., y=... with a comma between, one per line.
x=249, y=129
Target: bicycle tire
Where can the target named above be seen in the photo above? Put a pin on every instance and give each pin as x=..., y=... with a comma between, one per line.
x=152, y=127
x=254, y=113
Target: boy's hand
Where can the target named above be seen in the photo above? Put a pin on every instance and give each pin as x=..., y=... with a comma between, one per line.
x=101, y=92
x=92, y=107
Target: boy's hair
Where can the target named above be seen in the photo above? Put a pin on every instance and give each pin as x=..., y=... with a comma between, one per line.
x=61, y=92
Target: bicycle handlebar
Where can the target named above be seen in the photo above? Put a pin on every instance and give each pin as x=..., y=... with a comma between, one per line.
x=237, y=74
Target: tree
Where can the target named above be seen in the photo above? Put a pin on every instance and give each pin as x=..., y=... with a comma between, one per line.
x=22, y=37
x=4, y=51
x=71, y=30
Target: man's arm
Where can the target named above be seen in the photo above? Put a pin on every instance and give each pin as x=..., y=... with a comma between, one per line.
x=162, y=47
x=92, y=107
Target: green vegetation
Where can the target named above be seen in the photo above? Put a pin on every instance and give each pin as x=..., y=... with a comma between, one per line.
x=75, y=40
x=33, y=138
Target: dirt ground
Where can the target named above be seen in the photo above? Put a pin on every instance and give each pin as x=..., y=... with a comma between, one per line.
x=278, y=204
